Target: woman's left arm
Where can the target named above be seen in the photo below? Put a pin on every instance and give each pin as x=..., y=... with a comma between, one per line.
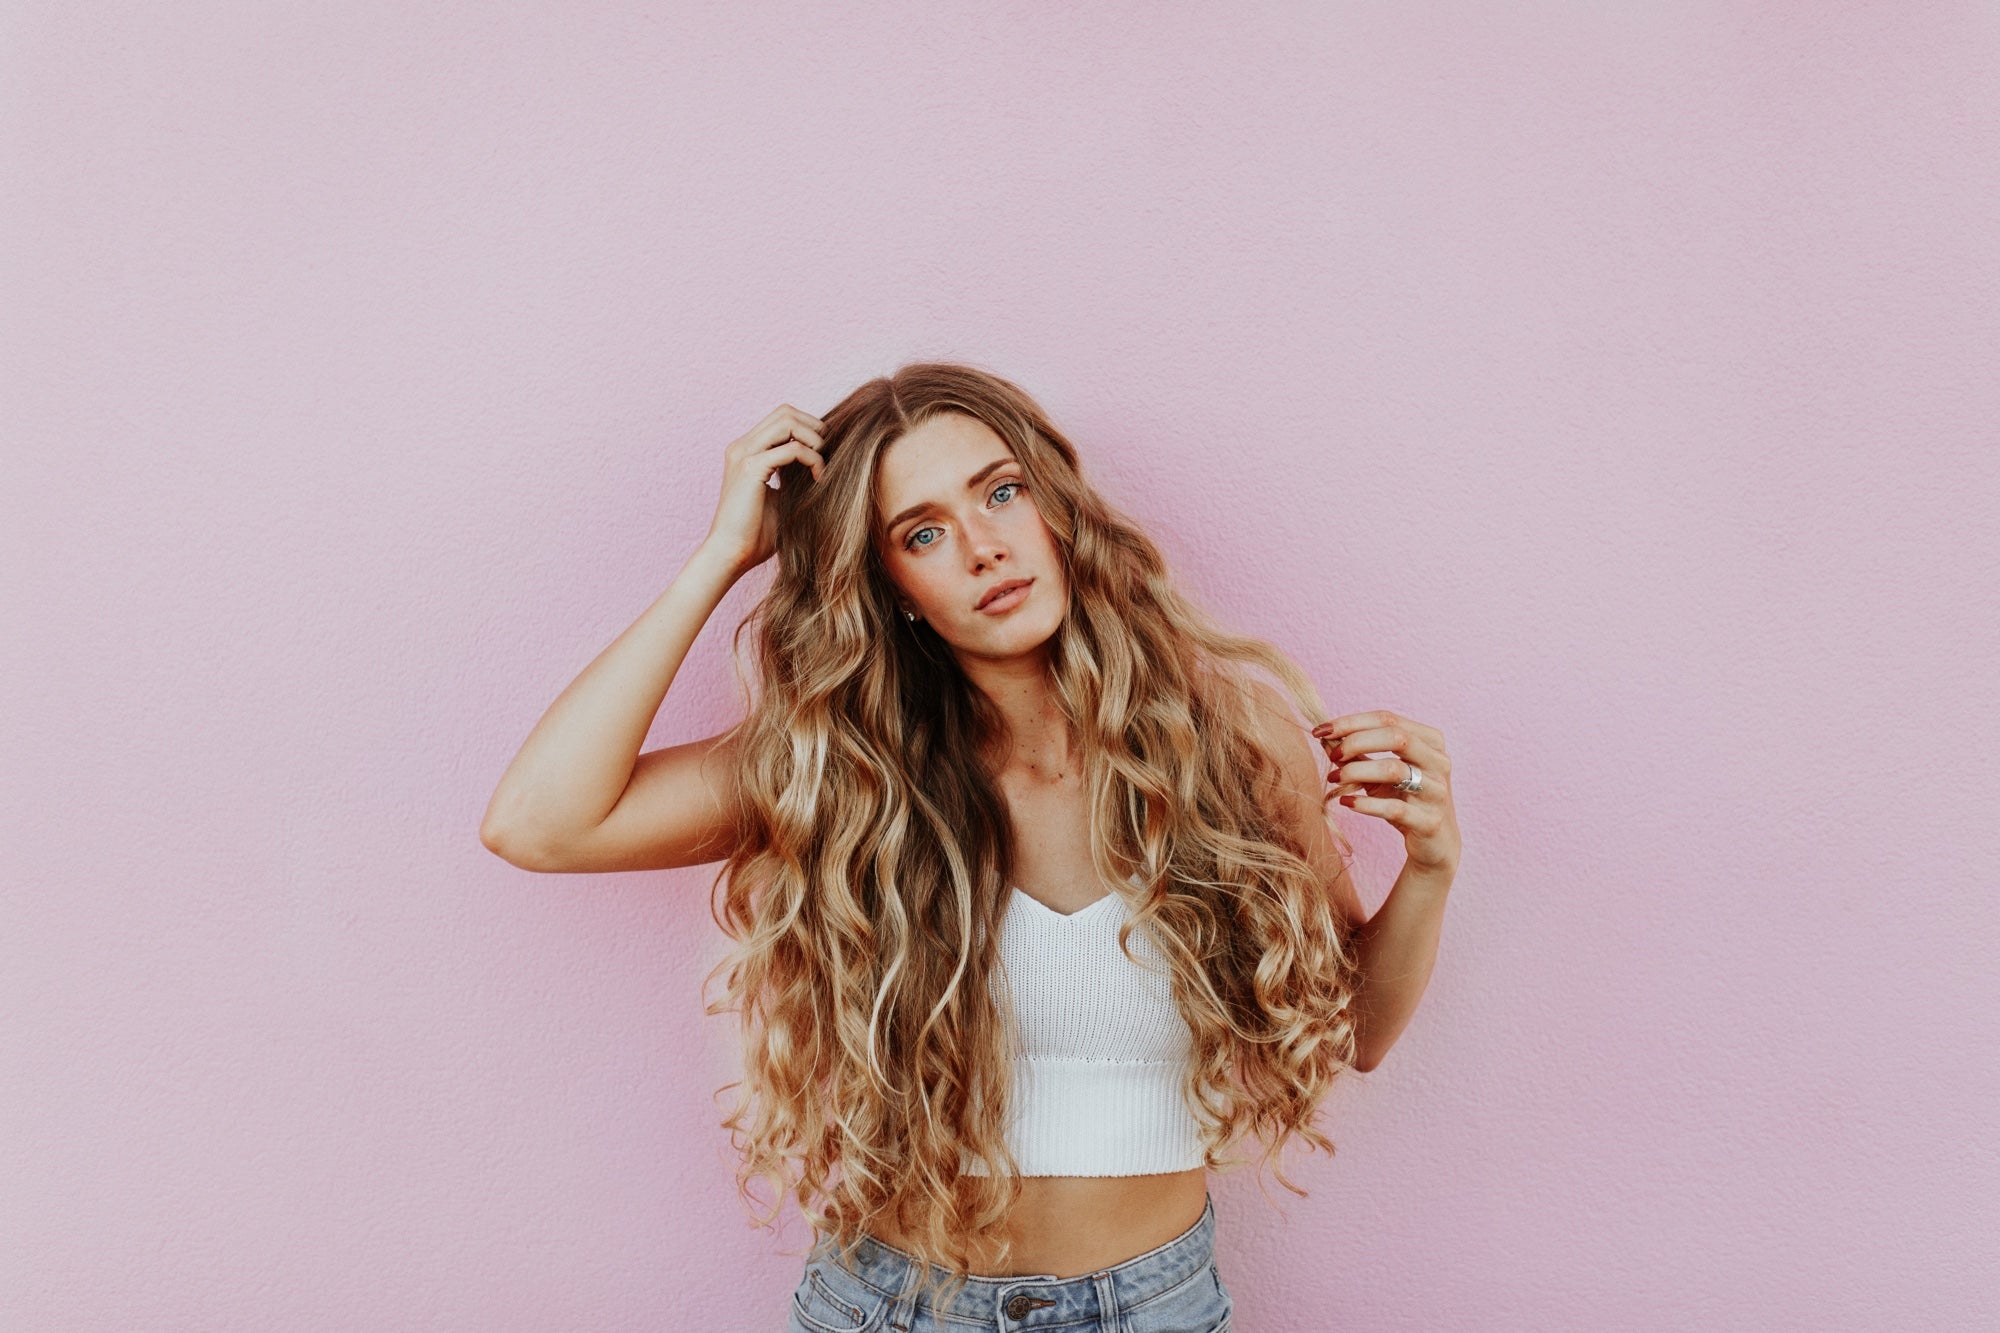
x=1397, y=947
x=1410, y=788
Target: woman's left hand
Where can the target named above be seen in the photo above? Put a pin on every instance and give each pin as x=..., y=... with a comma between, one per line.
x=1426, y=817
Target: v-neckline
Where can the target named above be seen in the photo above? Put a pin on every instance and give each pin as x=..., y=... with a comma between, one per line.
x=1047, y=910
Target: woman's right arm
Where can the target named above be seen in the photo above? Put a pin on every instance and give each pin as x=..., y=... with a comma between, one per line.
x=579, y=796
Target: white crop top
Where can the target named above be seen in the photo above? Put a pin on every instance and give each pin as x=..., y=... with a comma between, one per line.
x=1102, y=1047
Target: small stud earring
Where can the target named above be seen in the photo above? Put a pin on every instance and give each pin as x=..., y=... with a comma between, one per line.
x=909, y=615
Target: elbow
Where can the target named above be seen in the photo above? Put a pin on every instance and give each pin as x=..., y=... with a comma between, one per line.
x=496, y=841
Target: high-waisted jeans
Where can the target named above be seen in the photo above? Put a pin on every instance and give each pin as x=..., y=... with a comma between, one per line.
x=1173, y=1288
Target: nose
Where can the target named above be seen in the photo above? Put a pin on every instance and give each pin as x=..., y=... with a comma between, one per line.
x=985, y=546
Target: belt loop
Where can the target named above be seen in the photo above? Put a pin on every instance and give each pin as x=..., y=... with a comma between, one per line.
x=1109, y=1316
x=903, y=1310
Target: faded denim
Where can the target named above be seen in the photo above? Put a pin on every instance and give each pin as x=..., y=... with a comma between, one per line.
x=1174, y=1288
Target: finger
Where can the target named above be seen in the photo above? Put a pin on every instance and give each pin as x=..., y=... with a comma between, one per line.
x=1432, y=796
x=795, y=451
x=1384, y=773
x=789, y=451
x=1393, y=809
x=777, y=429
x=798, y=430
x=1346, y=722
x=1357, y=741
x=1393, y=740
x=1381, y=717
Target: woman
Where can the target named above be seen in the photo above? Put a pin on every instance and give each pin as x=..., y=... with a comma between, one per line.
x=1035, y=903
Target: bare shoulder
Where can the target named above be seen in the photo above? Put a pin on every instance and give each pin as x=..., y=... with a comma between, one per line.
x=1300, y=793
x=1289, y=743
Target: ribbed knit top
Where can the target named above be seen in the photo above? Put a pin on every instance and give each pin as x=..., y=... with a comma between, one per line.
x=1102, y=1048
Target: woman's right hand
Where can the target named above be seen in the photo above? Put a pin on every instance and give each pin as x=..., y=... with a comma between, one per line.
x=745, y=529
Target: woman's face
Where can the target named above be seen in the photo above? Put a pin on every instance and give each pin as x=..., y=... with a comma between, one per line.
x=958, y=523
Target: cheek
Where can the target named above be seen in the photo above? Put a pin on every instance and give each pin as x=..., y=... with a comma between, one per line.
x=1051, y=556
x=1035, y=531
x=931, y=586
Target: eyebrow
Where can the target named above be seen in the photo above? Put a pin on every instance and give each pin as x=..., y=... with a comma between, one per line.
x=927, y=506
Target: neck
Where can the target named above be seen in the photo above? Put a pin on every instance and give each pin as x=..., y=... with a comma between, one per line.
x=1036, y=745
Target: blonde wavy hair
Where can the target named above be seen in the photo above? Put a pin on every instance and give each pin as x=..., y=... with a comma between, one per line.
x=864, y=896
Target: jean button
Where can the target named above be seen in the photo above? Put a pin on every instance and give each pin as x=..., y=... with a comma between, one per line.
x=1018, y=1305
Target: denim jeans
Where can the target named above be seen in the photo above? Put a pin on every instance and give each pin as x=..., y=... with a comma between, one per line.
x=1172, y=1288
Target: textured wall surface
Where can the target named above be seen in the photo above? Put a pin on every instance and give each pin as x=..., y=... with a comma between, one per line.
x=1612, y=386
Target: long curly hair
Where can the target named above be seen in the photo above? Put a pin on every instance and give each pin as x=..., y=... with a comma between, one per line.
x=864, y=895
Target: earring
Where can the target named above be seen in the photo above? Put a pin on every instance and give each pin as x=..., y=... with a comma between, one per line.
x=909, y=615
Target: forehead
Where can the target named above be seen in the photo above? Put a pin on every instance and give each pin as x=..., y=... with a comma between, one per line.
x=932, y=462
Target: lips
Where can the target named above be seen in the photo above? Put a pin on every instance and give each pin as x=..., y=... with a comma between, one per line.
x=1000, y=590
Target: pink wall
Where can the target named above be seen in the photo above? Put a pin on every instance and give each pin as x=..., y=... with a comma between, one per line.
x=1611, y=386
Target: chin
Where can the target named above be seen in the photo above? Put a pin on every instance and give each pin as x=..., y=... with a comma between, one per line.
x=1043, y=633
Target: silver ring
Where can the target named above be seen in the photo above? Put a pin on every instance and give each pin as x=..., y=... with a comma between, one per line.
x=1413, y=783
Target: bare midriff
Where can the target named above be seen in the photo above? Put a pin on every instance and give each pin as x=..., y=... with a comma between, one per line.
x=1067, y=1226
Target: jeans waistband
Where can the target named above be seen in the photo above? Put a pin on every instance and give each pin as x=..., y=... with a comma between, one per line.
x=1044, y=1300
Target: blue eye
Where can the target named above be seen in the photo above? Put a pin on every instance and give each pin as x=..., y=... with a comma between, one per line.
x=910, y=543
